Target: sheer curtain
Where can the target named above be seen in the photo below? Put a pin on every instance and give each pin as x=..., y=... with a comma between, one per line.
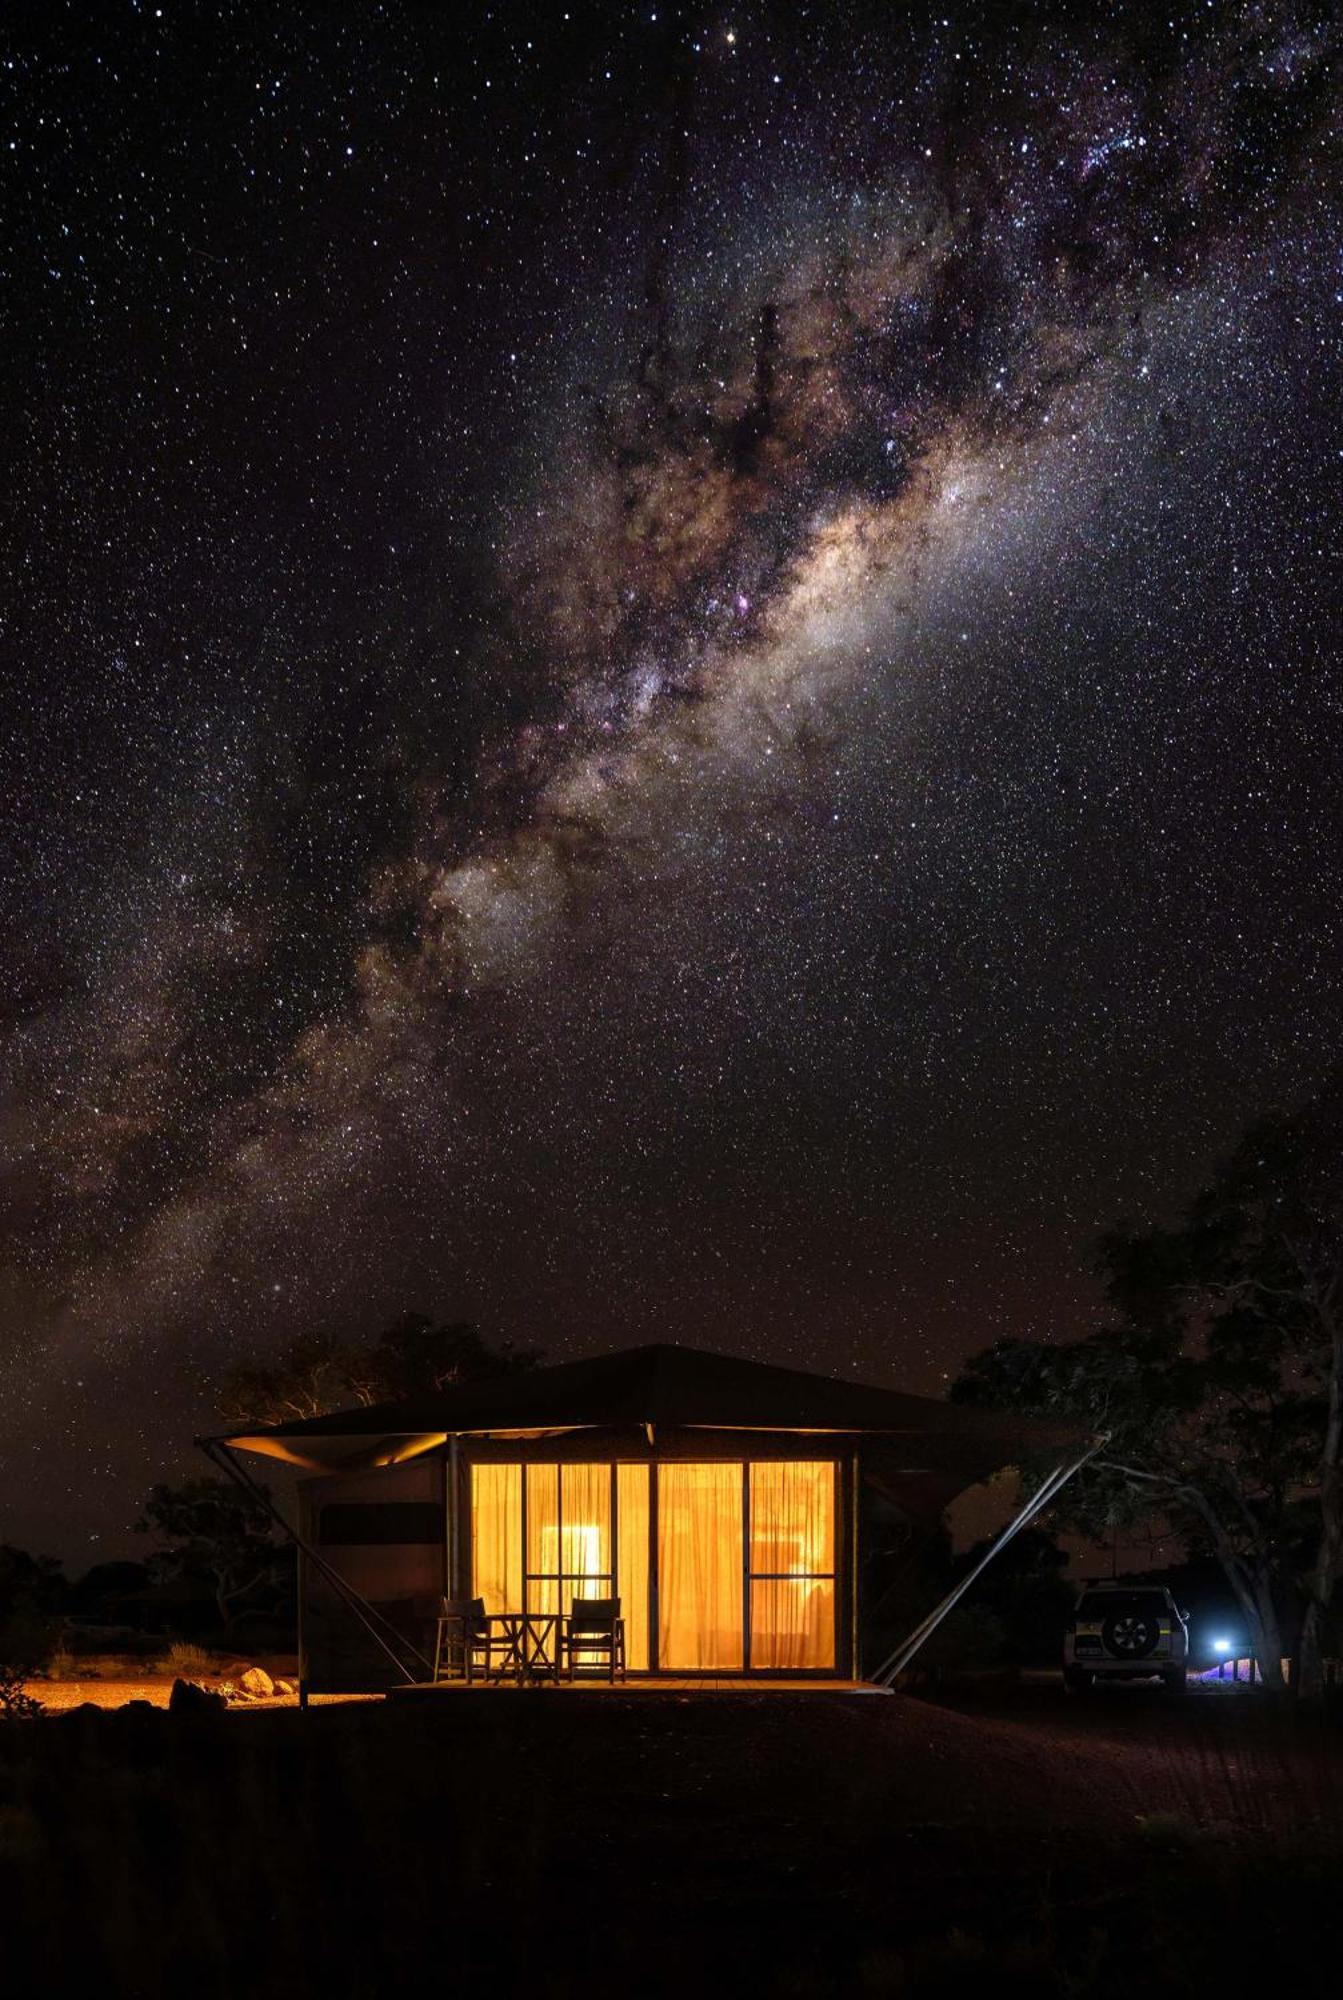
x=496, y=1536
x=700, y=1615
x=568, y=1535
x=704, y=1561
x=792, y=1564
x=568, y=1551
x=542, y=1559
x=632, y=1561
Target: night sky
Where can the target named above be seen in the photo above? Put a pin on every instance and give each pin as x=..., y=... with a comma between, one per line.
x=666, y=674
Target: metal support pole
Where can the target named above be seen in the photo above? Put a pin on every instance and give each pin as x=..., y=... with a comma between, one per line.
x=222, y=1458
x=453, y=1524
x=904, y=1653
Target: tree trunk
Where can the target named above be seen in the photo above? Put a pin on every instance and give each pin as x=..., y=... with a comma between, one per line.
x=1252, y=1582
x=1254, y=1594
x=1309, y=1683
x=1250, y=1577
x=1267, y=1635
x=1329, y=1556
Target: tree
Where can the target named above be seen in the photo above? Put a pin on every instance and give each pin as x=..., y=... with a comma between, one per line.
x=416, y=1355
x=33, y=1594
x=1256, y=1273
x=1221, y=1387
x=211, y=1531
x=1167, y=1451
x=413, y=1356
x=308, y=1380
x=112, y=1593
x=1027, y=1590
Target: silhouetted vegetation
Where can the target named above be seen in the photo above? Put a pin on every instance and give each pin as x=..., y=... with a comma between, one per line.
x=413, y=1356
x=1026, y=1591
x=1220, y=1384
x=1015, y=1615
x=33, y=1597
x=211, y=1533
x=16, y=1703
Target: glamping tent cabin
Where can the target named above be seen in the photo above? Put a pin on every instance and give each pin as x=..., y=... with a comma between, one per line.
x=717, y=1498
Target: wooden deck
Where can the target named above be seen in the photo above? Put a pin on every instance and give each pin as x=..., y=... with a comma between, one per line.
x=639, y=1685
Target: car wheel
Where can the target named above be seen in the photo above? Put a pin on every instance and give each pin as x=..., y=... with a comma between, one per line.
x=1078, y=1680
x=1176, y=1680
x=1130, y=1636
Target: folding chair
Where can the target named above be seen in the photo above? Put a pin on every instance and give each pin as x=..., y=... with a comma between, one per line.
x=594, y=1627
x=463, y=1634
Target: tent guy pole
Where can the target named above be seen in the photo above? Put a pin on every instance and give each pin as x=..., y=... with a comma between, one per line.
x=905, y=1651
x=220, y=1456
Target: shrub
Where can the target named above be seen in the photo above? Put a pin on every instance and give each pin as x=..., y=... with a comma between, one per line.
x=968, y=1637
x=186, y=1662
x=28, y=1635
x=16, y=1704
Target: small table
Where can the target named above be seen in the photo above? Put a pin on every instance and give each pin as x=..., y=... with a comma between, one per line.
x=531, y=1641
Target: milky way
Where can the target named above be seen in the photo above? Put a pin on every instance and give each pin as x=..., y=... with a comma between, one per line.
x=679, y=679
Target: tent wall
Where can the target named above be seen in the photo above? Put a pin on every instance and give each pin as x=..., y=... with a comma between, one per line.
x=356, y=1521
x=433, y=1494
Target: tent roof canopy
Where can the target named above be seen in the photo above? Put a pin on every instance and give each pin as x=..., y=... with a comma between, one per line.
x=647, y=1389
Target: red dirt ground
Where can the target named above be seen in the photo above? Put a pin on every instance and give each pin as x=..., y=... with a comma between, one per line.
x=1004, y=1840
x=1217, y=1757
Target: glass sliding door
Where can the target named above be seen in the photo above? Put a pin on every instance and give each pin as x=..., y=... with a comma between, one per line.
x=701, y=1603
x=744, y=1556
x=792, y=1564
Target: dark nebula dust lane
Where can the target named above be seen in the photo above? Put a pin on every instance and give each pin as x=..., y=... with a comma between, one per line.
x=674, y=676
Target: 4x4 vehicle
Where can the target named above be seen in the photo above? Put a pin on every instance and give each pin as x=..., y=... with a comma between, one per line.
x=1125, y=1632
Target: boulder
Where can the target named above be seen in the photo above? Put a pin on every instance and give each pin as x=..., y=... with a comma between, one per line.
x=257, y=1683
x=83, y=1712
x=190, y=1698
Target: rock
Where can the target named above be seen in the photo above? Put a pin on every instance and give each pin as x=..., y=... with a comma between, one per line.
x=257, y=1683
x=190, y=1698
x=84, y=1712
x=285, y=1687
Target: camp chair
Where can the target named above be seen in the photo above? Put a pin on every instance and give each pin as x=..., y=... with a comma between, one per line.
x=594, y=1625
x=463, y=1635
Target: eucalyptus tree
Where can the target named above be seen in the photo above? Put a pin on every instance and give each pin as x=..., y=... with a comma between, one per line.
x=1220, y=1382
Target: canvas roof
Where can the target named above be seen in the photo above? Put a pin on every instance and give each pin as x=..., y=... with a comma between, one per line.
x=662, y=1388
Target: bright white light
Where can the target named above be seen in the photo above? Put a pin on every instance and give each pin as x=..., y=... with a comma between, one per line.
x=1221, y=1645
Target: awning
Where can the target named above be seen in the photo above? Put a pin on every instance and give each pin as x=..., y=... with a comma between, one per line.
x=647, y=1389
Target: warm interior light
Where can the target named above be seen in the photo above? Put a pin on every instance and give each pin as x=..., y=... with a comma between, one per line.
x=575, y=1552
x=544, y=1533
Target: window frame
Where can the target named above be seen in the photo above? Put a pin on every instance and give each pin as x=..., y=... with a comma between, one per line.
x=561, y=1577
x=836, y=1576
x=750, y=1576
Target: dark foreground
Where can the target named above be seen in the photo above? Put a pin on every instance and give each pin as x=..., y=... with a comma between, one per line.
x=753, y=1845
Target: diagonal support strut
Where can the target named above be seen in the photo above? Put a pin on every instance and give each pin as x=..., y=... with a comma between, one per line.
x=222, y=1458
x=897, y=1661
